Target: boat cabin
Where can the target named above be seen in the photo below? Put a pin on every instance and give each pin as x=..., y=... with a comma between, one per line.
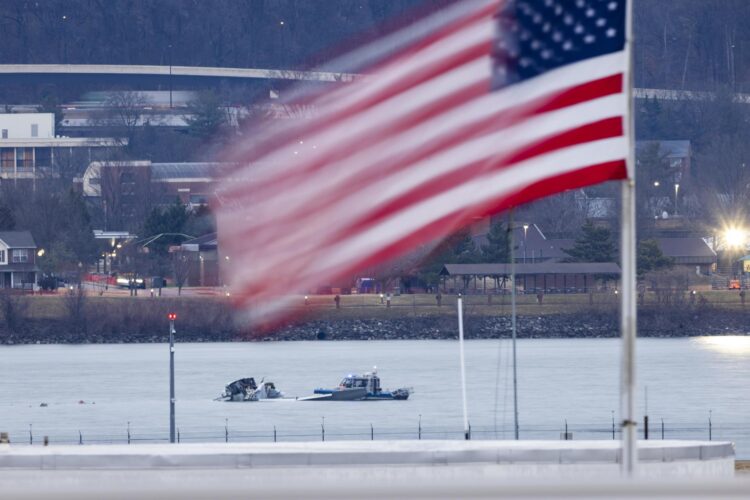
x=369, y=381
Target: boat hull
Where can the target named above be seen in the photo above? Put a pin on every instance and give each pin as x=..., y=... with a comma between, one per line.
x=348, y=395
x=353, y=394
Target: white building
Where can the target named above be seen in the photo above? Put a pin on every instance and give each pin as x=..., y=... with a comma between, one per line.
x=30, y=149
x=27, y=125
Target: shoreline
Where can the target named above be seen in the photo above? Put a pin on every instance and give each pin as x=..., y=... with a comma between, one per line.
x=593, y=324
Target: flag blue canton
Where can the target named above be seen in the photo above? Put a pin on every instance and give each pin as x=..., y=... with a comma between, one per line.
x=535, y=36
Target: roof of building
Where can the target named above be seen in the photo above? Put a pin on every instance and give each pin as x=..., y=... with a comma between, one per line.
x=18, y=239
x=205, y=242
x=200, y=170
x=686, y=248
x=669, y=149
x=530, y=269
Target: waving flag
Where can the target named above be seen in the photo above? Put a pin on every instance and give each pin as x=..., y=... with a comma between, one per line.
x=475, y=109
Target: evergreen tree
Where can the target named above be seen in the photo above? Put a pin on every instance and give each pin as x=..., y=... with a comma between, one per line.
x=465, y=250
x=497, y=249
x=170, y=221
x=207, y=115
x=594, y=245
x=78, y=236
x=7, y=220
x=651, y=258
x=458, y=248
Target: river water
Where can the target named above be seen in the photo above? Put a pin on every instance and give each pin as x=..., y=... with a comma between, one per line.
x=100, y=393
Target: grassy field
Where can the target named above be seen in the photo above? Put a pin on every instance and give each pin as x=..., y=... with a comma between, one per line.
x=371, y=305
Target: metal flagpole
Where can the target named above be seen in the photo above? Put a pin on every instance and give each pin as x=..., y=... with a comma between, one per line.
x=172, y=317
x=513, y=324
x=467, y=434
x=628, y=257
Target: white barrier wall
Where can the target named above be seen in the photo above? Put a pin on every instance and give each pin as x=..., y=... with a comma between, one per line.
x=372, y=470
x=658, y=459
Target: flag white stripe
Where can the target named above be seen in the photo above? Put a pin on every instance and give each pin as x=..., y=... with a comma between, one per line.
x=290, y=237
x=318, y=263
x=401, y=39
x=408, y=177
x=282, y=161
x=398, y=107
x=474, y=192
x=393, y=75
x=429, y=56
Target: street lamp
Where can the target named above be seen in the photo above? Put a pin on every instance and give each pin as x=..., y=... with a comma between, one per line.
x=172, y=317
x=170, y=75
x=735, y=237
x=525, y=230
x=676, y=190
x=656, y=184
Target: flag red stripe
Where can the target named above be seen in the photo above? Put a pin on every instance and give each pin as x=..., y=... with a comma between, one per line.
x=447, y=63
x=567, y=97
x=376, y=134
x=603, y=129
x=326, y=198
x=580, y=178
x=596, y=88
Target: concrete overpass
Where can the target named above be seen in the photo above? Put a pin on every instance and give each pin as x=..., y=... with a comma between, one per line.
x=272, y=74
x=189, y=71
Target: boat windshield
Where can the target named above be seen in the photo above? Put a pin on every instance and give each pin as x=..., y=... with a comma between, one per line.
x=353, y=382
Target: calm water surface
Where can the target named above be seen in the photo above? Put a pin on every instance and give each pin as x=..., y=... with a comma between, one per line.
x=687, y=380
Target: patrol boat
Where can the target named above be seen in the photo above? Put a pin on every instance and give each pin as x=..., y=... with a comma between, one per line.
x=369, y=384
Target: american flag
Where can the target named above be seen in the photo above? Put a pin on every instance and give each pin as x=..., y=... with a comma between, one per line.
x=479, y=107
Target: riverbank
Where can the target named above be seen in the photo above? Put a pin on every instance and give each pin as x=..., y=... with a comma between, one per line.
x=201, y=321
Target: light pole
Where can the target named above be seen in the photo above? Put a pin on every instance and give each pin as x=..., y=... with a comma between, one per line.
x=676, y=190
x=200, y=257
x=172, y=317
x=170, y=75
x=525, y=229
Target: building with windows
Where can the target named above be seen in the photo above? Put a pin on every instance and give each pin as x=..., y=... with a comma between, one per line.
x=17, y=260
x=127, y=190
x=29, y=148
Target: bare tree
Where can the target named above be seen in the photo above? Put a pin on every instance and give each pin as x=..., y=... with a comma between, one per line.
x=13, y=308
x=181, y=269
x=558, y=216
x=123, y=112
x=75, y=307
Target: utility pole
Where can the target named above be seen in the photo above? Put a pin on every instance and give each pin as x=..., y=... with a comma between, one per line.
x=172, y=317
x=170, y=75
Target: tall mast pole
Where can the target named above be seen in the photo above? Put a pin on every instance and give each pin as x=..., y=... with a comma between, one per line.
x=513, y=324
x=628, y=268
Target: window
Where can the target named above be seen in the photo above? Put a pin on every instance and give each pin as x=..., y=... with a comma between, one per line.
x=25, y=158
x=34, y=130
x=5, y=133
x=198, y=199
x=20, y=256
x=7, y=158
x=43, y=157
x=2, y=257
